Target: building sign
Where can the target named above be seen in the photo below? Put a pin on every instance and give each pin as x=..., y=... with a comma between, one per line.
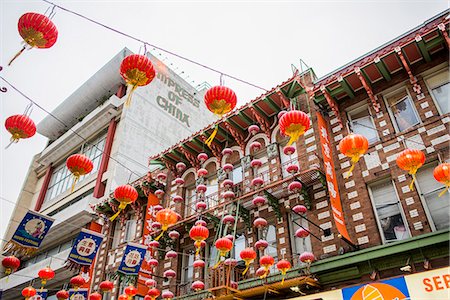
x=40, y=295
x=429, y=285
x=392, y=289
x=85, y=247
x=333, y=191
x=31, y=230
x=79, y=294
x=132, y=259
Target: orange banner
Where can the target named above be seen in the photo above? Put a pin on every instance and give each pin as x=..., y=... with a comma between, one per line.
x=333, y=190
x=146, y=270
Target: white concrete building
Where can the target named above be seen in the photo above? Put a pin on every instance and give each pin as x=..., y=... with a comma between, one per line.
x=118, y=140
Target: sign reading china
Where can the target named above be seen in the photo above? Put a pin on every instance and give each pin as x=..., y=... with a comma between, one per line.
x=434, y=284
x=333, y=191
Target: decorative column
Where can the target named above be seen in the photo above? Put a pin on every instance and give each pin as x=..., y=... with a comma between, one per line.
x=44, y=188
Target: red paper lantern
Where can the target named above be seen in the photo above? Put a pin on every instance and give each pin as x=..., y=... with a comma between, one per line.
x=11, y=264
x=261, y=245
x=260, y=223
x=20, y=127
x=28, y=292
x=198, y=285
x=248, y=255
x=411, y=160
x=137, y=70
x=198, y=233
x=199, y=264
x=302, y=233
x=307, y=257
x=224, y=246
x=46, y=274
x=37, y=31
x=266, y=262
x=77, y=281
x=62, y=295
x=150, y=283
x=123, y=297
x=442, y=174
x=153, y=293
x=300, y=209
x=283, y=266
x=125, y=194
x=166, y=217
x=171, y=254
x=167, y=295
x=79, y=165
x=95, y=296
x=174, y=234
x=259, y=201
x=353, y=146
x=294, y=123
x=106, y=286
x=130, y=291
x=220, y=100
x=170, y=274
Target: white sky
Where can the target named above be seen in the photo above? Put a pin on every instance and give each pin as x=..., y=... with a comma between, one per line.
x=253, y=40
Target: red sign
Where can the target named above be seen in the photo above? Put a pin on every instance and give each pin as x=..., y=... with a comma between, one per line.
x=333, y=191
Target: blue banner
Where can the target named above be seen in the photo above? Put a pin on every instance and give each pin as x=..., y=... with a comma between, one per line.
x=132, y=259
x=85, y=247
x=394, y=288
x=80, y=294
x=32, y=230
x=40, y=295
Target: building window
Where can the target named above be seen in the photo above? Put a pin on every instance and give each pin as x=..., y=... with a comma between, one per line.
x=439, y=85
x=211, y=194
x=130, y=230
x=62, y=179
x=52, y=252
x=237, y=174
x=116, y=235
x=389, y=212
x=269, y=234
x=239, y=245
x=188, y=268
x=287, y=160
x=438, y=207
x=211, y=255
x=190, y=198
x=299, y=245
x=361, y=122
x=402, y=110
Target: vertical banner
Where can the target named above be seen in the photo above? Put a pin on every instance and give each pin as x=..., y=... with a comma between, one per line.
x=30, y=233
x=132, y=259
x=96, y=228
x=85, y=248
x=80, y=294
x=40, y=295
x=333, y=191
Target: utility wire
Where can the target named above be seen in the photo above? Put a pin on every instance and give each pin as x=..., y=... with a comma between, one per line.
x=152, y=45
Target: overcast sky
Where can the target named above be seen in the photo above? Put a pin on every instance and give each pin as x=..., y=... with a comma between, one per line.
x=254, y=40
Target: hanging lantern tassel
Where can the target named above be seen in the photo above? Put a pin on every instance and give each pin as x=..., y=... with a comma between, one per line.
x=411, y=160
x=442, y=175
x=17, y=55
x=208, y=142
x=125, y=194
x=284, y=266
x=121, y=207
x=128, y=102
x=224, y=245
x=353, y=146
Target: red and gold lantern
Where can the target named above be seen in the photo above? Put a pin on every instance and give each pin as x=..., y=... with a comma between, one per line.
x=411, y=160
x=220, y=100
x=106, y=286
x=123, y=297
x=125, y=194
x=224, y=246
x=130, y=291
x=95, y=296
x=28, y=292
x=442, y=174
x=353, y=146
x=62, y=295
x=198, y=233
x=11, y=264
x=137, y=70
x=20, y=127
x=283, y=266
x=166, y=217
x=294, y=123
x=198, y=285
x=266, y=262
x=37, y=31
x=248, y=255
x=153, y=293
x=77, y=281
x=45, y=275
x=79, y=165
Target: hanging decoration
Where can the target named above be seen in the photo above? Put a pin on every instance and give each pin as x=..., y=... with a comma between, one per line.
x=198, y=285
x=167, y=295
x=130, y=291
x=283, y=266
x=248, y=255
x=220, y=100
x=260, y=245
x=259, y=201
x=223, y=245
x=171, y=254
x=442, y=175
x=294, y=123
x=106, y=286
x=37, y=31
x=95, y=296
x=123, y=297
x=266, y=262
x=153, y=293
x=295, y=186
x=411, y=160
x=260, y=223
x=132, y=258
x=28, y=292
x=302, y=233
x=78, y=165
x=261, y=271
x=300, y=209
x=11, y=264
x=84, y=250
x=137, y=70
x=199, y=264
x=150, y=283
x=166, y=217
x=125, y=194
x=353, y=146
x=45, y=275
x=62, y=295
x=20, y=127
x=29, y=234
x=78, y=294
x=198, y=233
x=77, y=281
x=170, y=274
x=307, y=257
x=253, y=129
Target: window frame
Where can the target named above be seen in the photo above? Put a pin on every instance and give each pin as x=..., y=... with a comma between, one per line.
x=357, y=109
x=402, y=213
x=185, y=265
x=293, y=238
x=396, y=90
x=432, y=73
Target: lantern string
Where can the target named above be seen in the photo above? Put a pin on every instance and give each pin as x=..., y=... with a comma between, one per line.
x=154, y=46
